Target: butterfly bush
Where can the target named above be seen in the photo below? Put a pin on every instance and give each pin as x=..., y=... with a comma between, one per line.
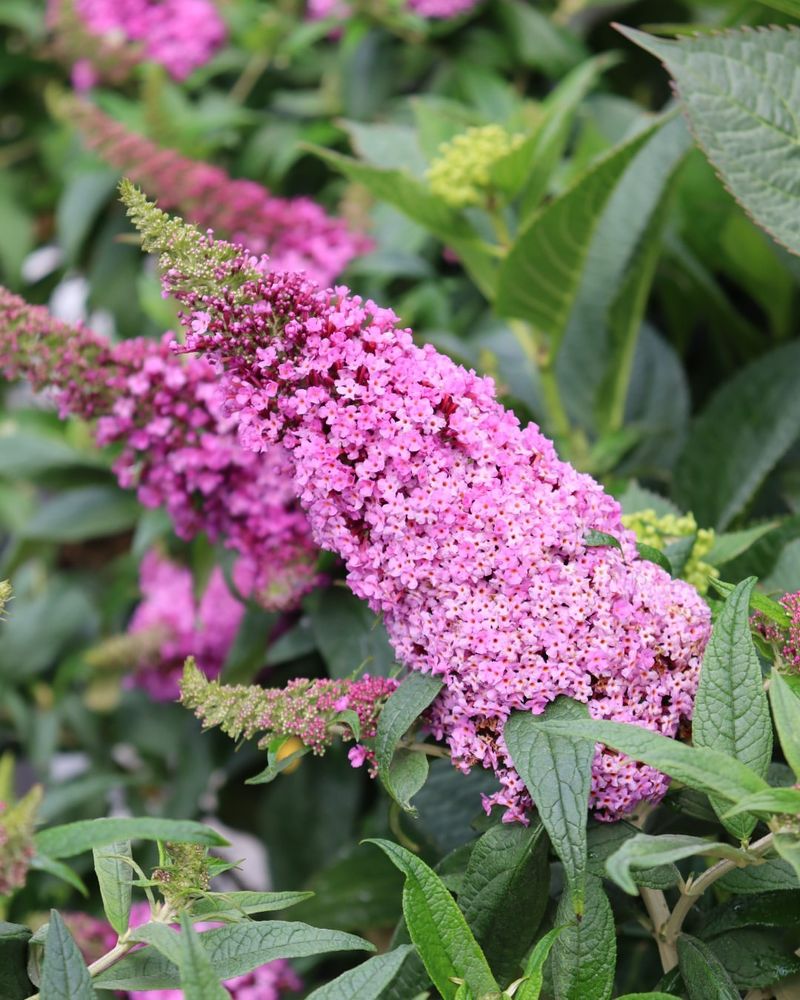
x=458, y=525
x=297, y=232
x=17, y=849
x=106, y=38
x=786, y=639
x=179, y=449
x=203, y=628
x=461, y=172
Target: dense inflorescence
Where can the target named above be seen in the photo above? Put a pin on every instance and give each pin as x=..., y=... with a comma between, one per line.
x=17, y=849
x=462, y=528
x=179, y=450
x=432, y=9
x=787, y=640
x=296, y=232
x=680, y=536
x=313, y=711
x=186, y=626
x=104, y=39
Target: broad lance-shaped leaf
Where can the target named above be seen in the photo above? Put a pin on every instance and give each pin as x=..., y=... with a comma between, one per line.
x=198, y=979
x=762, y=910
x=233, y=951
x=740, y=90
x=64, y=973
x=402, y=708
x=437, y=927
x=557, y=771
x=505, y=892
x=703, y=973
x=786, y=713
x=731, y=713
x=788, y=846
x=584, y=956
x=114, y=876
x=366, y=981
x=247, y=902
x=74, y=838
x=541, y=274
x=644, y=851
x=598, y=347
x=14, y=981
x=605, y=839
x=767, y=803
x=531, y=987
x=706, y=770
x=743, y=432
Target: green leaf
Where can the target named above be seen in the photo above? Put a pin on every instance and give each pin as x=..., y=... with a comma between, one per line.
x=14, y=981
x=400, y=712
x=84, y=513
x=552, y=133
x=531, y=987
x=406, y=775
x=505, y=892
x=600, y=538
x=758, y=602
x=438, y=928
x=247, y=902
x=654, y=555
x=366, y=981
x=703, y=973
x=557, y=771
x=64, y=973
x=728, y=545
x=733, y=86
x=768, y=802
x=648, y=996
x=41, y=863
x=233, y=950
x=743, y=432
x=74, y=838
x=162, y=937
x=584, y=956
x=731, y=713
x=114, y=877
x=248, y=652
x=768, y=909
x=198, y=979
x=536, y=40
x=786, y=713
x=540, y=276
x=707, y=770
x=756, y=958
x=605, y=839
x=774, y=875
x=645, y=851
x=348, y=634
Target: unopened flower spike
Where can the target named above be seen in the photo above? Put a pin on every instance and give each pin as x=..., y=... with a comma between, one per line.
x=306, y=709
x=460, y=527
x=665, y=530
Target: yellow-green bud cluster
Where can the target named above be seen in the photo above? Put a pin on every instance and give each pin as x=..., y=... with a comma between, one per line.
x=461, y=173
x=185, y=874
x=661, y=531
x=5, y=595
x=17, y=823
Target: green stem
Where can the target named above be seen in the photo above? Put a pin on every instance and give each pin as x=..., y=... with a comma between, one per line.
x=556, y=418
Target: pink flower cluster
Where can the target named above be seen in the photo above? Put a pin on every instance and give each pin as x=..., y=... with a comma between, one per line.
x=296, y=232
x=204, y=629
x=787, y=640
x=433, y=9
x=179, y=34
x=462, y=528
x=178, y=448
x=305, y=709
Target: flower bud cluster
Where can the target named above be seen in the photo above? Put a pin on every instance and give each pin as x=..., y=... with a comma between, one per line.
x=462, y=528
x=17, y=823
x=105, y=39
x=296, y=232
x=179, y=450
x=461, y=173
